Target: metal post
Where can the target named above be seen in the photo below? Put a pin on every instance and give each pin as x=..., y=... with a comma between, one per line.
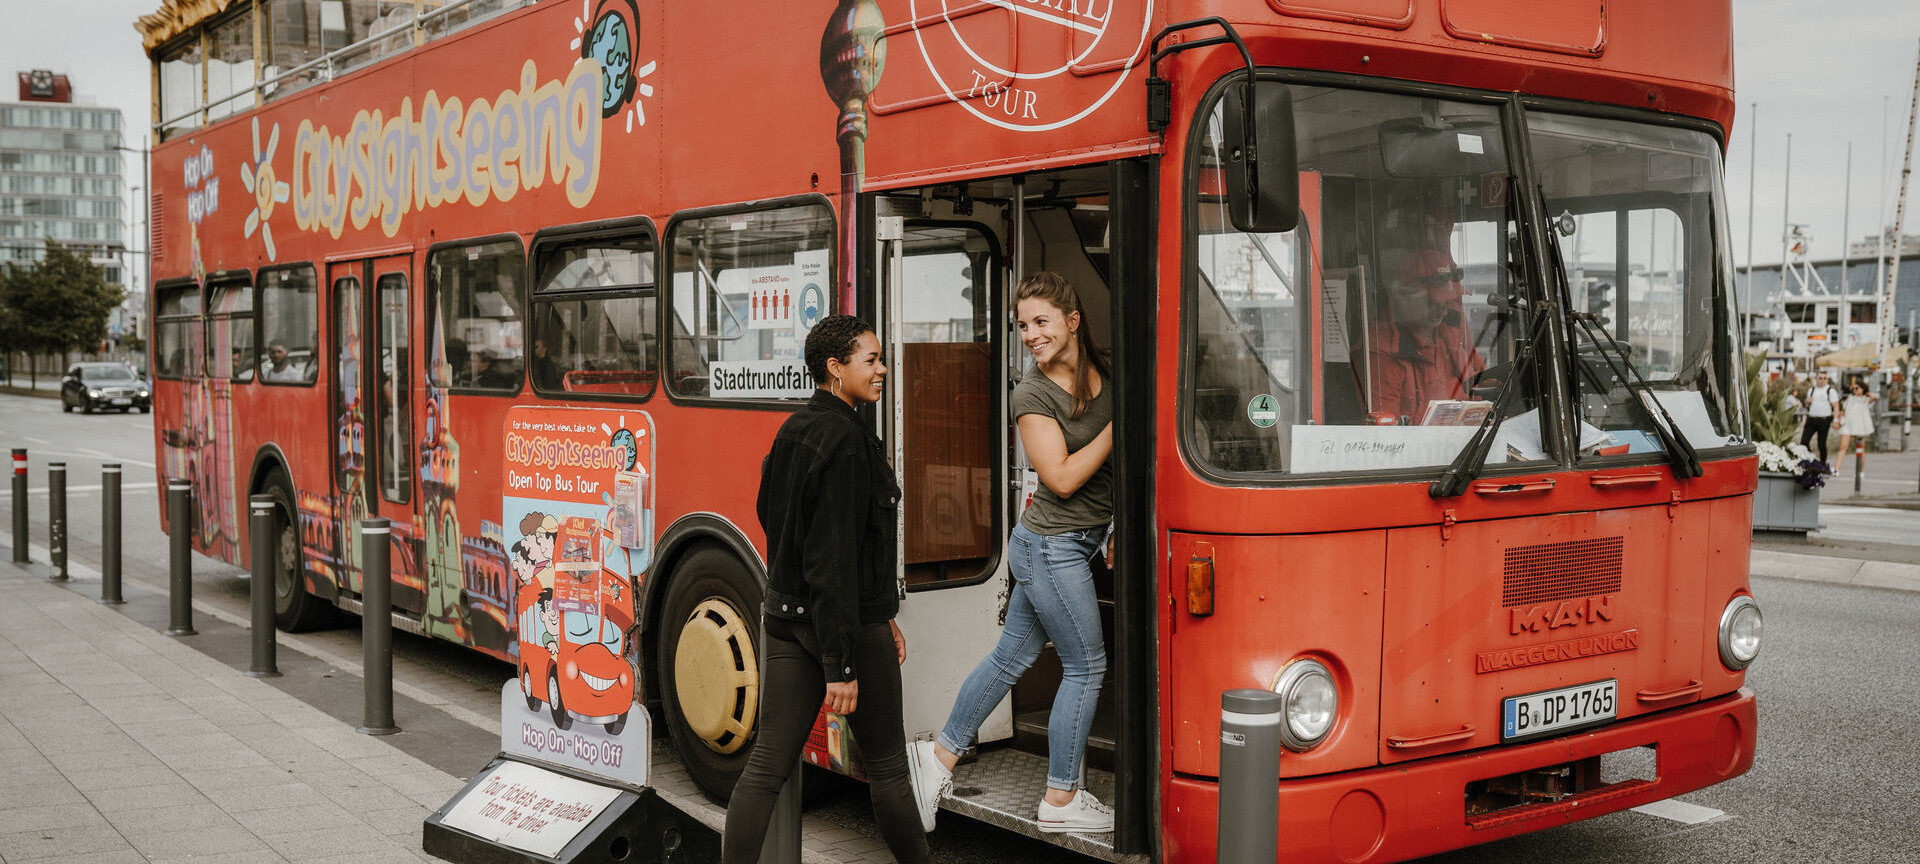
x=376, y=626
x=19, y=505
x=265, y=663
x=1249, y=830
x=57, y=520
x=180, y=558
x=782, y=842
x=1859, y=463
x=110, y=534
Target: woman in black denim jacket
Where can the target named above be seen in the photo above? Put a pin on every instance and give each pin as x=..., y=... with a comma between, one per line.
x=827, y=503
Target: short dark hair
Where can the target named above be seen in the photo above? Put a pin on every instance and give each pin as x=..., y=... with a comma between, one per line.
x=833, y=337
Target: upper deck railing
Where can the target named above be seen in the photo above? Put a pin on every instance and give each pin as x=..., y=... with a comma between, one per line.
x=411, y=27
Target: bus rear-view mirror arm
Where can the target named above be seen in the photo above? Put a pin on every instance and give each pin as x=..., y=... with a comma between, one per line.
x=1260, y=166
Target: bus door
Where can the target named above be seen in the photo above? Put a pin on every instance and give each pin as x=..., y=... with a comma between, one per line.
x=373, y=402
x=949, y=259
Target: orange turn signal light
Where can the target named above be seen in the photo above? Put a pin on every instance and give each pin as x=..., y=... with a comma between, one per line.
x=1200, y=585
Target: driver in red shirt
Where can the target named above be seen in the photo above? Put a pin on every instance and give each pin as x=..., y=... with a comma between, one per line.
x=1420, y=353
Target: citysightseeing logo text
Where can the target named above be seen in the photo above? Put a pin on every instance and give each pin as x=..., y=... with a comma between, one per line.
x=543, y=452
x=383, y=167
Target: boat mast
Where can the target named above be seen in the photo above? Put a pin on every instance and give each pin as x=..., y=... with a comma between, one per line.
x=1899, y=222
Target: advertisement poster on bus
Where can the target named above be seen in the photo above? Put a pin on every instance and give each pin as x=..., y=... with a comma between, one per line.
x=578, y=505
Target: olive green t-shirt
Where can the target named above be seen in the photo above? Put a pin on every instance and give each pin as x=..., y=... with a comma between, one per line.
x=1092, y=505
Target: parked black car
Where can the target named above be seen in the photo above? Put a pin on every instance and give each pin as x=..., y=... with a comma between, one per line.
x=91, y=386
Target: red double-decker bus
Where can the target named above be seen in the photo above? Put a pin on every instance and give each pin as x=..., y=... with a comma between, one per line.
x=1430, y=400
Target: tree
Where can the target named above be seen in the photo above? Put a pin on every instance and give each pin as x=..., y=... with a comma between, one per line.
x=1769, y=416
x=57, y=304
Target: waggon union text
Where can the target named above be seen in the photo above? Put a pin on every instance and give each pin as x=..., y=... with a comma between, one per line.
x=1553, y=652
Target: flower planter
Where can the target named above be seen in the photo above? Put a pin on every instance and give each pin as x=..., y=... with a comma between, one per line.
x=1780, y=503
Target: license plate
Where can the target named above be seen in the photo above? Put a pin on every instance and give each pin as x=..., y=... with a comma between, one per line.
x=1551, y=711
x=123, y=401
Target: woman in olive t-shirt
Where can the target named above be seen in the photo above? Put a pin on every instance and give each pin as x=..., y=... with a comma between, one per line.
x=1065, y=410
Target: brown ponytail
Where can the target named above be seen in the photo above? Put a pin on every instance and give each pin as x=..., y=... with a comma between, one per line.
x=1055, y=290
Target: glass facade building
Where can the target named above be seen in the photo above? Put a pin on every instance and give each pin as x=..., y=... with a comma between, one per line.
x=61, y=180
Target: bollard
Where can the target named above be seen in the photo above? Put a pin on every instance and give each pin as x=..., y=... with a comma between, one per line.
x=180, y=558
x=782, y=842
x=19, y=505
x=57, y=520
x=260, y=530
x=110, y=534
x=1249, y=829
x=376, y=626
x=1859, y=464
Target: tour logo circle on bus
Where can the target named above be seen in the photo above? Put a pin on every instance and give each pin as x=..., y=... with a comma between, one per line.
x=968, y=59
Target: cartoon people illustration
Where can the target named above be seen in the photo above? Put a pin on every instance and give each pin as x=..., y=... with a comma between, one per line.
x=549, y=622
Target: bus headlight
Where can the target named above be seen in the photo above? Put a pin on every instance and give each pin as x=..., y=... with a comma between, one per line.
x=1309, y=702
x=1741, y=627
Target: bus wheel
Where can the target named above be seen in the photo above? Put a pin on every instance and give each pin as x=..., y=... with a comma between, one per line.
x=526, y=688
x=561, y=719
x=709, y=666
x=294, y=610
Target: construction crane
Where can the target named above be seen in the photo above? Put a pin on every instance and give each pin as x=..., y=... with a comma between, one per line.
x=1899, y=223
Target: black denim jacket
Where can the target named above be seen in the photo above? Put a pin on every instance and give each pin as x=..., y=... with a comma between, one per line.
x=827, y=502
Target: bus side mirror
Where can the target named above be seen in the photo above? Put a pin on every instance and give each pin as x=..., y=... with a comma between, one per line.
x=1262, y=171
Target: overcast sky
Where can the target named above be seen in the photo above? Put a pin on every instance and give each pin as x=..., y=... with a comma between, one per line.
x=1820, y=69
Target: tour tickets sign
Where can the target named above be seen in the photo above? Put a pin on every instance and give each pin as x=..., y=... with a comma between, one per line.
x=526, y=807
x=578, y=505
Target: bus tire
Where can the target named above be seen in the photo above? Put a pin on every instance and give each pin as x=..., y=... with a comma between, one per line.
x=709, y=666
x=294, y=609
x=526, y=687
x=558, y=709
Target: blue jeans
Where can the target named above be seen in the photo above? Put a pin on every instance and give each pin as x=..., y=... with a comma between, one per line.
x=1053, y=600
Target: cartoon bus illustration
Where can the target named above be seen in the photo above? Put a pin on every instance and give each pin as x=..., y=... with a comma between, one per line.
x=575, y=638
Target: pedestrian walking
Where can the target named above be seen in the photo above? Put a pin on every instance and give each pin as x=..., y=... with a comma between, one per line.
x=1823, y=402
x=1856, y=419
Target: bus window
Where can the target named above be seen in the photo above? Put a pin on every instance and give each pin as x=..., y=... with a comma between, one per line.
x=1376, y=335
x=396, y=363
x=740, y=308
x=1636, y=229
x=230, y=336
x=176, y=324
x=474, y=298
x=289, y=325
x=593, y=318
x=949, y=272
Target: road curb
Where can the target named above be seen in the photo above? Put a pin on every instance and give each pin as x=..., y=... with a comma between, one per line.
x=33, y=392
x=1828, y=568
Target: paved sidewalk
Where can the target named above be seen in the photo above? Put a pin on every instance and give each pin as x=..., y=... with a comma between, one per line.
x=120, y=744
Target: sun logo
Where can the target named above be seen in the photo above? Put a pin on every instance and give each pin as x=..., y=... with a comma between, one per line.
x=611, y=36
x=258, y=177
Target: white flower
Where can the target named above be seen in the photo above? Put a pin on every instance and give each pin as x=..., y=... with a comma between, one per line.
x=1775, y=458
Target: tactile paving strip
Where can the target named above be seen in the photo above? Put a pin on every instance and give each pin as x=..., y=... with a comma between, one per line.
x=1003, y=787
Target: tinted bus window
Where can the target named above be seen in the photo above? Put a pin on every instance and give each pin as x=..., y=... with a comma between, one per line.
x=289, y=325
x=176, y=324
x=230, y=335
x=593, y=318
x=474, y=299
x=746, y=289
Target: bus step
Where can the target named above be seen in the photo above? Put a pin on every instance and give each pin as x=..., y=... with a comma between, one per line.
x=1003, y=788
x=401, y=620
x=1034, y=723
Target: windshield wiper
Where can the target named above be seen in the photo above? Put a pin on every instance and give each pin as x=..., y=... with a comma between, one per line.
x=1472, y=459
x=1680, y=452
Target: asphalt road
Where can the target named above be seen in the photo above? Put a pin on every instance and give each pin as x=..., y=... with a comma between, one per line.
x=1835, y=779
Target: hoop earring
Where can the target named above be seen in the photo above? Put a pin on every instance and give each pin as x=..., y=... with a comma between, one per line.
x=835, y=389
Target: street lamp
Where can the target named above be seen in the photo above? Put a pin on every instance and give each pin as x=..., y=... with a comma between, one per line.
x=146, y=206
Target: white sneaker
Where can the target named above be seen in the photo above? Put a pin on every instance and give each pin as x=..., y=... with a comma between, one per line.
x=931, y=780
x=1084, y=813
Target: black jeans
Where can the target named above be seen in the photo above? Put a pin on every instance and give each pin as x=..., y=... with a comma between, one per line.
x=1817, y=426
x=792, y=688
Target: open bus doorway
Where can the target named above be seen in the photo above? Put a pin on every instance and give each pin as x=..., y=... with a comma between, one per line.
x=949, y=257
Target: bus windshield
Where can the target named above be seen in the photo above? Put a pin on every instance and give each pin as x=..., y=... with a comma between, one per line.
x=1635, y=215
x=1378, y=333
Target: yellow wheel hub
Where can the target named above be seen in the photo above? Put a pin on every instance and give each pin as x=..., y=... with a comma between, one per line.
x=716, y=676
